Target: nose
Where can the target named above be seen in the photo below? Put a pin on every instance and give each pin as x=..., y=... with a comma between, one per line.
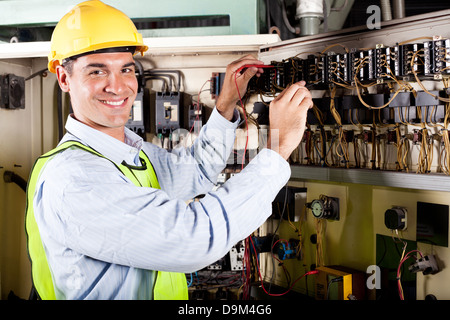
x=118, y=84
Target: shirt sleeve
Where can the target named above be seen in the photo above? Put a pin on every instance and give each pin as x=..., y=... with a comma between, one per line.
x=186, y=173
x=92, y=209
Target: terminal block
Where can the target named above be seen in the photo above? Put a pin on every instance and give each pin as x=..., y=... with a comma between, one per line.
x=436, y=60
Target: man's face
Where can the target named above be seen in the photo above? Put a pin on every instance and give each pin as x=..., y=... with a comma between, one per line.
x=102, y=89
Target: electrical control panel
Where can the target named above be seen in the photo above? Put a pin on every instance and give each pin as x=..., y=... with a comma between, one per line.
x=355, y=69
x=382, y=107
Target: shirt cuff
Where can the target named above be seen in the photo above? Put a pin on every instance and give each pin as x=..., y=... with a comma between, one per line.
x=222, y=122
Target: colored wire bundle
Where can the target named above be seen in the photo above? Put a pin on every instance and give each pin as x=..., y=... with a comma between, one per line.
x=402, y=260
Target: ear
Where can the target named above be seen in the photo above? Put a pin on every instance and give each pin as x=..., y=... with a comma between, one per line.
x=63, y=78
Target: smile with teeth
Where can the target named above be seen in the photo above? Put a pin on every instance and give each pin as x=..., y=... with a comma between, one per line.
x=113, y=103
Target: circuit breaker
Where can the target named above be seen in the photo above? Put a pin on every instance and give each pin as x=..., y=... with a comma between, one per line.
x=168, y=112
x=136, y=121
x=237, y=256
x=12, y=92
x=232, y=261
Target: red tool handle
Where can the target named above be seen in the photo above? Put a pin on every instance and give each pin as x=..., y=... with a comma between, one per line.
x=255, y=65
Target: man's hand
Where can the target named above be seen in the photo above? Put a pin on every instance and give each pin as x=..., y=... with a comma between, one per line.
x=229, y=95
x=287, y=117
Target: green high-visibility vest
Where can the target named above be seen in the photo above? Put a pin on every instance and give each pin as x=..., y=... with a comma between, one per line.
x=168, y=285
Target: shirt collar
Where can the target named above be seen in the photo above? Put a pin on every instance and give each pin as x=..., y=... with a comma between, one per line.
x=108, y=146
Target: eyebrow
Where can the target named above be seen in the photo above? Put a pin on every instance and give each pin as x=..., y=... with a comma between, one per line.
x=129, y=64
x=102, y=65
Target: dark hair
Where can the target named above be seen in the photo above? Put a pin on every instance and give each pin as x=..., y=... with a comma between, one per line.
x=67, y=64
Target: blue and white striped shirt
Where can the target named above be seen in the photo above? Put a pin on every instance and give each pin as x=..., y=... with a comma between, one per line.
x=103, y=236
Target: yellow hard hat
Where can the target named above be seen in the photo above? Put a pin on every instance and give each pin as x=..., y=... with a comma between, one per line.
x=90, y=26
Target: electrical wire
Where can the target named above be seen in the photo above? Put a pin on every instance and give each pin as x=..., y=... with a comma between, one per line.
x=291, y=286
x=402, y=261
x=358, y=83
x=320, y=230
x=197, y=106
x=341, y=141
x=275, y=232
x=280, y=263
x=420, y=82
x=165, y=73
x=243, y=105
x=286, y=20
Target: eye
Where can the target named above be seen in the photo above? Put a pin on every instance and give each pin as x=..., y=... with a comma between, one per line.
x=128, y=70
x=97, y=72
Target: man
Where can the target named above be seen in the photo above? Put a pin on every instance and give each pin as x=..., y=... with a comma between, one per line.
x=107, y=213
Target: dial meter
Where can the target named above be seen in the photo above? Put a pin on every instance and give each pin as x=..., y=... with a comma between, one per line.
x=325, y=208
x=317, y=208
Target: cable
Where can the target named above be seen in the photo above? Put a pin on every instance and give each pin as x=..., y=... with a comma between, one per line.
x=245, y=116
x=274, y=233
x=420, y=82
x=190, y=282
x=402, y=260
x=320, y=229
x=341, y=141
x=140, y=76
x=291, y=286
x=242, y=104
x=164, y=87
x=280, y=263
x=198, y=105
x=355, y=78
x=157, y=75
x=286, y=20
x=177, y=72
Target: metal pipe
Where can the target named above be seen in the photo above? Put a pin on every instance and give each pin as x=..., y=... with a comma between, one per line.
x=399, y=8
x=310, y=14
x=386, y=12
x=309, y=26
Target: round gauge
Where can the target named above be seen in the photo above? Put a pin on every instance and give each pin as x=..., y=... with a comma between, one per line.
x=317, y=208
